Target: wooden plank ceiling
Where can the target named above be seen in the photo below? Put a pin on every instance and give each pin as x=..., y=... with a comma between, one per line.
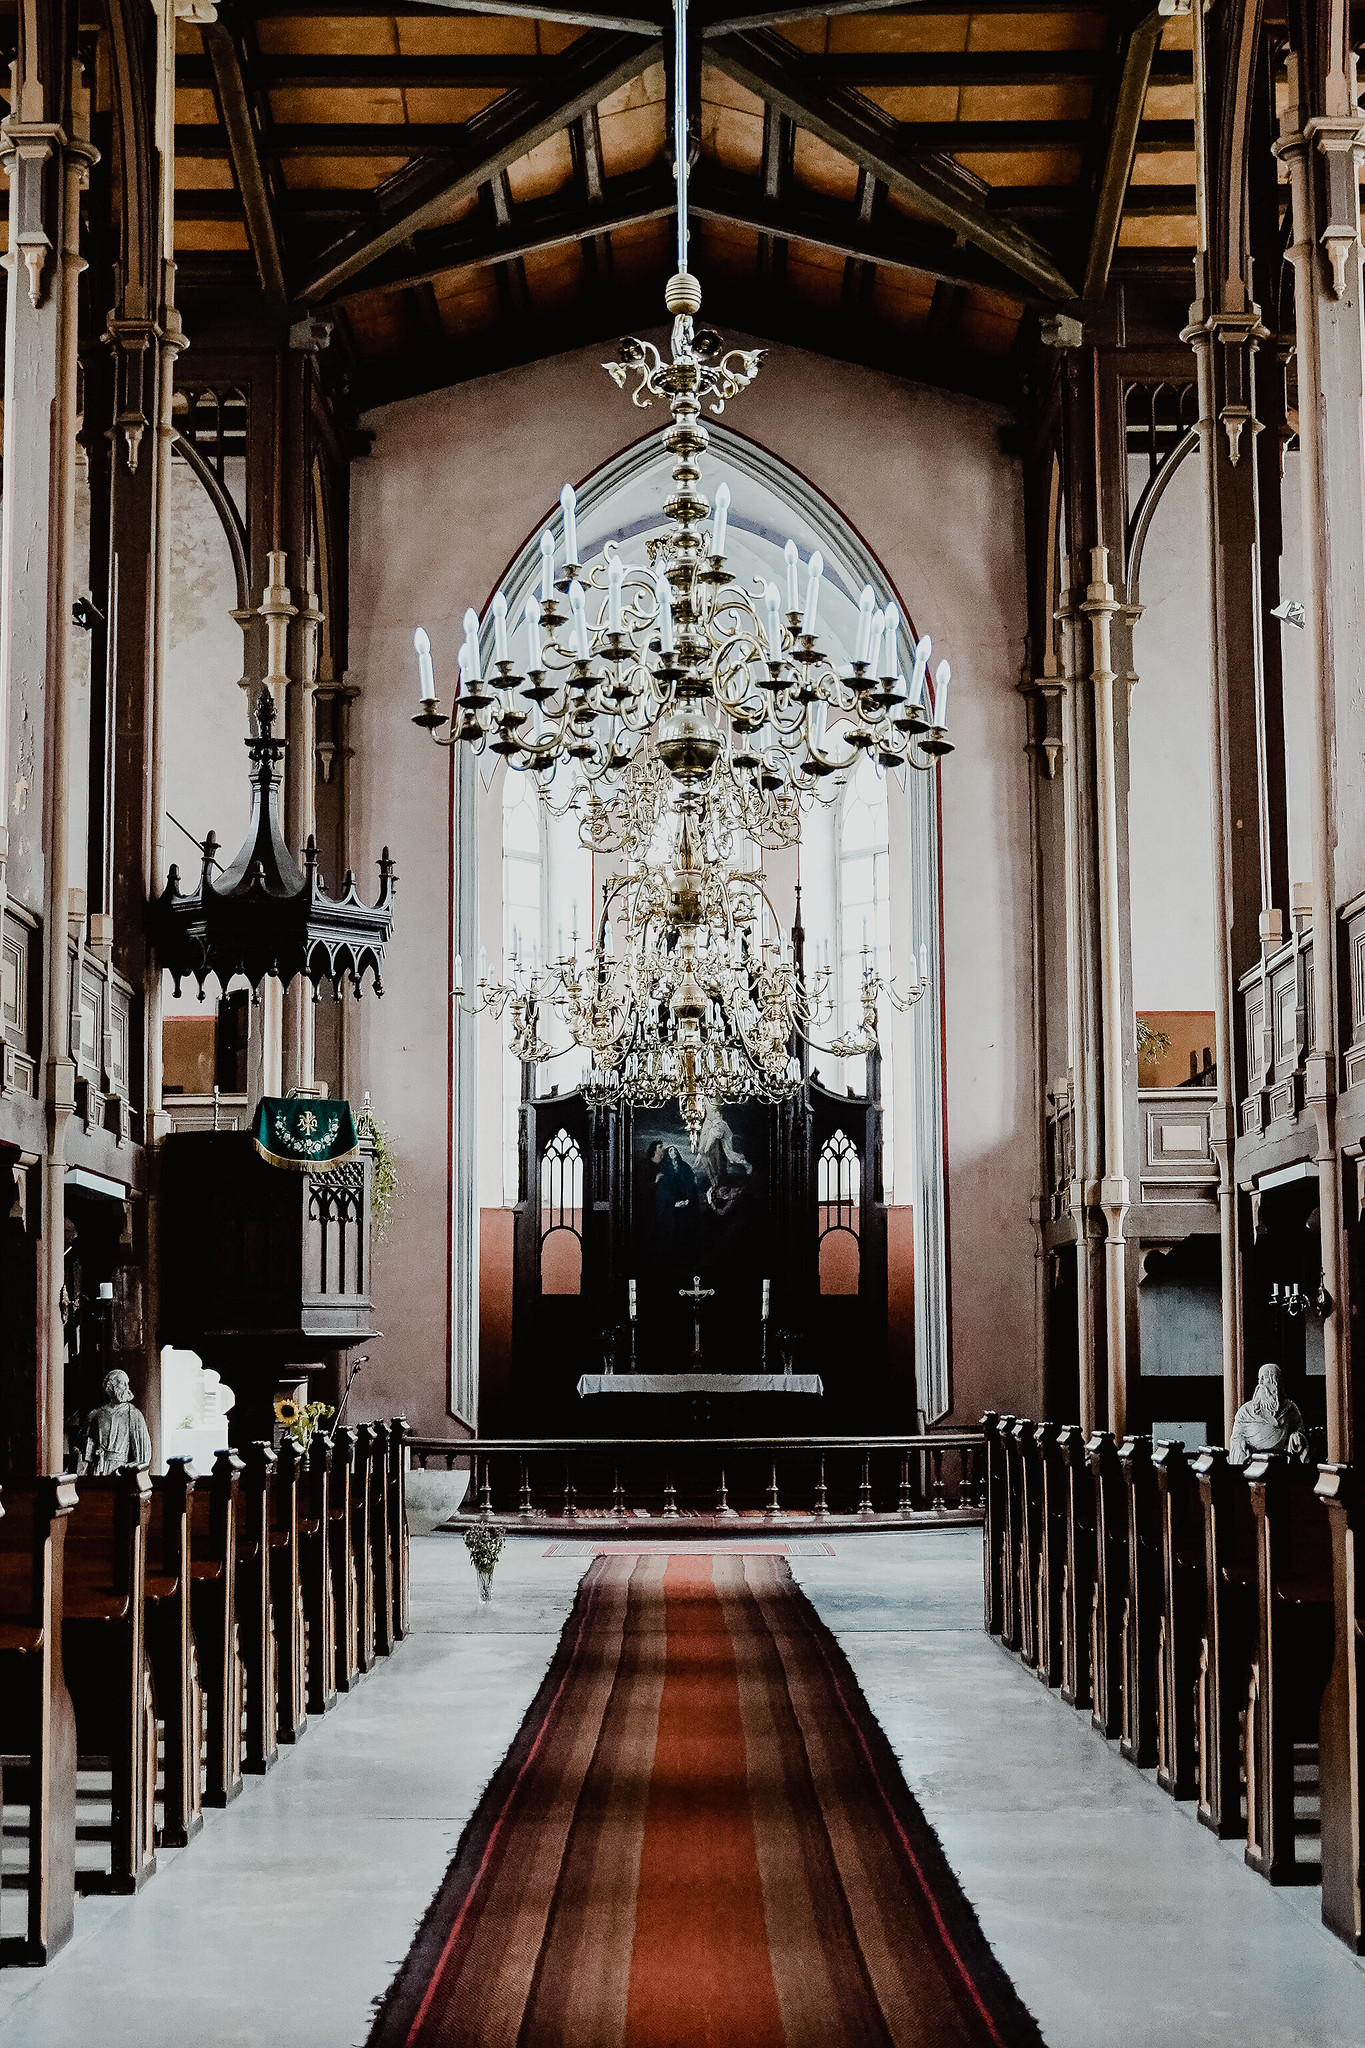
x=461, y=189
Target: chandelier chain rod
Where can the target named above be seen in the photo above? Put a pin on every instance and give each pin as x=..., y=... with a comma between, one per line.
x=681, y=138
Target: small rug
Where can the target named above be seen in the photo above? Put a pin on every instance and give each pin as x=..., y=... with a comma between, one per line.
x=700, y=1838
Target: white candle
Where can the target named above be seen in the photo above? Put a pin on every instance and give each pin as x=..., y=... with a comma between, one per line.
x=923, y=961
x=472, y=664
x=766, y=1285
x=923, y=649
x=943, y=675
x=664, y=596
x=615, y=572
x=483, y=965
x=867, y=604
x=426, y=681
x=874, y=644
x=500, y=626
x=631, y=1286
x=816, y=571
x=547, y=565
x=459, y=975
x=533, y=631
x=774, y=622
x=580, y=619
x=568, y=505
x=718, y=519
x=792, y=557
x=890, y=648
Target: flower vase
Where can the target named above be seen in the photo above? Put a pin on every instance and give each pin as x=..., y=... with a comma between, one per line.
x=486, y=1584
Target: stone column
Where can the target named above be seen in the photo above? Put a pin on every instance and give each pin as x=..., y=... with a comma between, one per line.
x=1322, y=140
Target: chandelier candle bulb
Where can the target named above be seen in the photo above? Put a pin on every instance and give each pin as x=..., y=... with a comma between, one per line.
x=815, y=572
x=923, y=649
x=568, y=505
x=500, y=626
x=867, y=604
x=473, y=665
x=774, y=622
x=718, y=520
x=792, y=556
x=547, y=566
x=874, y=645
x=459, y=976
x=532, y=616
x=615, y=574
x=665, y=600
x=943, y=675
x=577, y=601
x=426, y=681
x=891, y=648
x=483, y=965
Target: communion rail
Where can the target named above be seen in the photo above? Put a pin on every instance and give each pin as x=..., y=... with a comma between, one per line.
x=836, y=1482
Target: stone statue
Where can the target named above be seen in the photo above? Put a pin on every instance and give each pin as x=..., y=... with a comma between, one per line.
x=116, y=1434
x=1267, y=1422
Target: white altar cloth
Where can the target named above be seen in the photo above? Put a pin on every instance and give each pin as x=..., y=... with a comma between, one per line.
x=701, y=1383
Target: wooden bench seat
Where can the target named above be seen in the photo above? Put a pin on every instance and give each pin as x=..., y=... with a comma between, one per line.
x=213, y=1574
x=37, y=1720
x=173, y=1653
x=108, y=1668
x=315, y=1576
x=1110, y=1596
x=286, y=1592
x=1180, y=1628
x=255, y=1609
x=1295, y=1641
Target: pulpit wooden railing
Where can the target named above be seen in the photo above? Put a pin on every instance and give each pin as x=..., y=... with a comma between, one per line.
x=717, y=1483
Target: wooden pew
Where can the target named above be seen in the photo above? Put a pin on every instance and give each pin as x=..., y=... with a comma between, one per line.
x=1009, y=1614
x=1111, y=1584
x=345, y=1584
x=104, y=1648
x=1341, y=1774
x=286, y=1592
x=360, y=1546
x=398, y=1525
x=174, y=1658
x=1026, y=1488
x=213, y=1570
x=1078, y=1582
x=315, y=1575
x=993, y=1552
x=1296, y=1636
x=1229, y=1638
x=1142, y=1603
x=1180, y=1626
x=255, y=1612
x=381, y=1539
x=37, y=1721
x=1051, y=1579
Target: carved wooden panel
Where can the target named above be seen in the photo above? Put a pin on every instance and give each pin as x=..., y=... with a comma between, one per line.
x=20, y=961
x=1177, y=1153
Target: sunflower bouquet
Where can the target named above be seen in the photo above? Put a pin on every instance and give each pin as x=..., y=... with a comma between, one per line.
x=300, y=1419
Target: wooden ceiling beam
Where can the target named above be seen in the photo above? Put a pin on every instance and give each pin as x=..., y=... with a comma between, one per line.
x=1004, y=68
x=587, y=72
x=242, y=122
x=362, y=74
x=1118, y=119
x=719, y=19
x=859, y=130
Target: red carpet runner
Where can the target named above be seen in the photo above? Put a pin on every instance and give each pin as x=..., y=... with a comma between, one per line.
x=699, y=1839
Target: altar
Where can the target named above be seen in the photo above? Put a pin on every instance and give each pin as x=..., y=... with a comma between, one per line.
x=700, y=1383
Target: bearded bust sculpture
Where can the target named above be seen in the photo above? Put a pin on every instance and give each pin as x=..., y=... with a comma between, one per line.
x=1267, y=1422
x=116, y=1434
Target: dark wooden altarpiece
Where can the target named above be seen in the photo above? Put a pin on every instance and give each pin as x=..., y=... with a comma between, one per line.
x=790, y=1192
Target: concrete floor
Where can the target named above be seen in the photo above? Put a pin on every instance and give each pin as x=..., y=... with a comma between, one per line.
x=1118, y=1917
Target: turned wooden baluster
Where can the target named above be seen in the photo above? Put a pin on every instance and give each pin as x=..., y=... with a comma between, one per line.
x=865, y=1507
x=936, y=1485
x=821, y=1504
x=618, y=1494
x=774, y=1506
x=525, y=1489
x=570, y=1494
x=724, y=1511
x=670, y=1498
x=906, y=1505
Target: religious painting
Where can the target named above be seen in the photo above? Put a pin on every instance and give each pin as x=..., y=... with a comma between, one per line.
x=701, y=1214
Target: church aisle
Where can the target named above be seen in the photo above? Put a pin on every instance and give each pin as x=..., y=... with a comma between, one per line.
x=1118, y=1918
x=284, y=1921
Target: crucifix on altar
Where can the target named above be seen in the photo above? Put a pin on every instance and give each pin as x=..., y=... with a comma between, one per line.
x=696, y=1294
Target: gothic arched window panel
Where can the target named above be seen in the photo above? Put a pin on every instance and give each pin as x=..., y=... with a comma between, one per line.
x=838, y=1193
x=561, y=1216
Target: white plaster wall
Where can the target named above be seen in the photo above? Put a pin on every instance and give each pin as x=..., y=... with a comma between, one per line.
x=1169, y=803
x=457, y=481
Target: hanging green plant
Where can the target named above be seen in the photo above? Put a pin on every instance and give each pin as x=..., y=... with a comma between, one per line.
x=383, y=1173
x=1152, y=1045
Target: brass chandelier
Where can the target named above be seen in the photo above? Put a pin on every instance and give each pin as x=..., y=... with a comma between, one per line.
x=687, y=718
x=614, y=652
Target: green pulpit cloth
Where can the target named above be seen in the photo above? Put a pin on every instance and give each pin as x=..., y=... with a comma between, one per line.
x=304, y=1132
